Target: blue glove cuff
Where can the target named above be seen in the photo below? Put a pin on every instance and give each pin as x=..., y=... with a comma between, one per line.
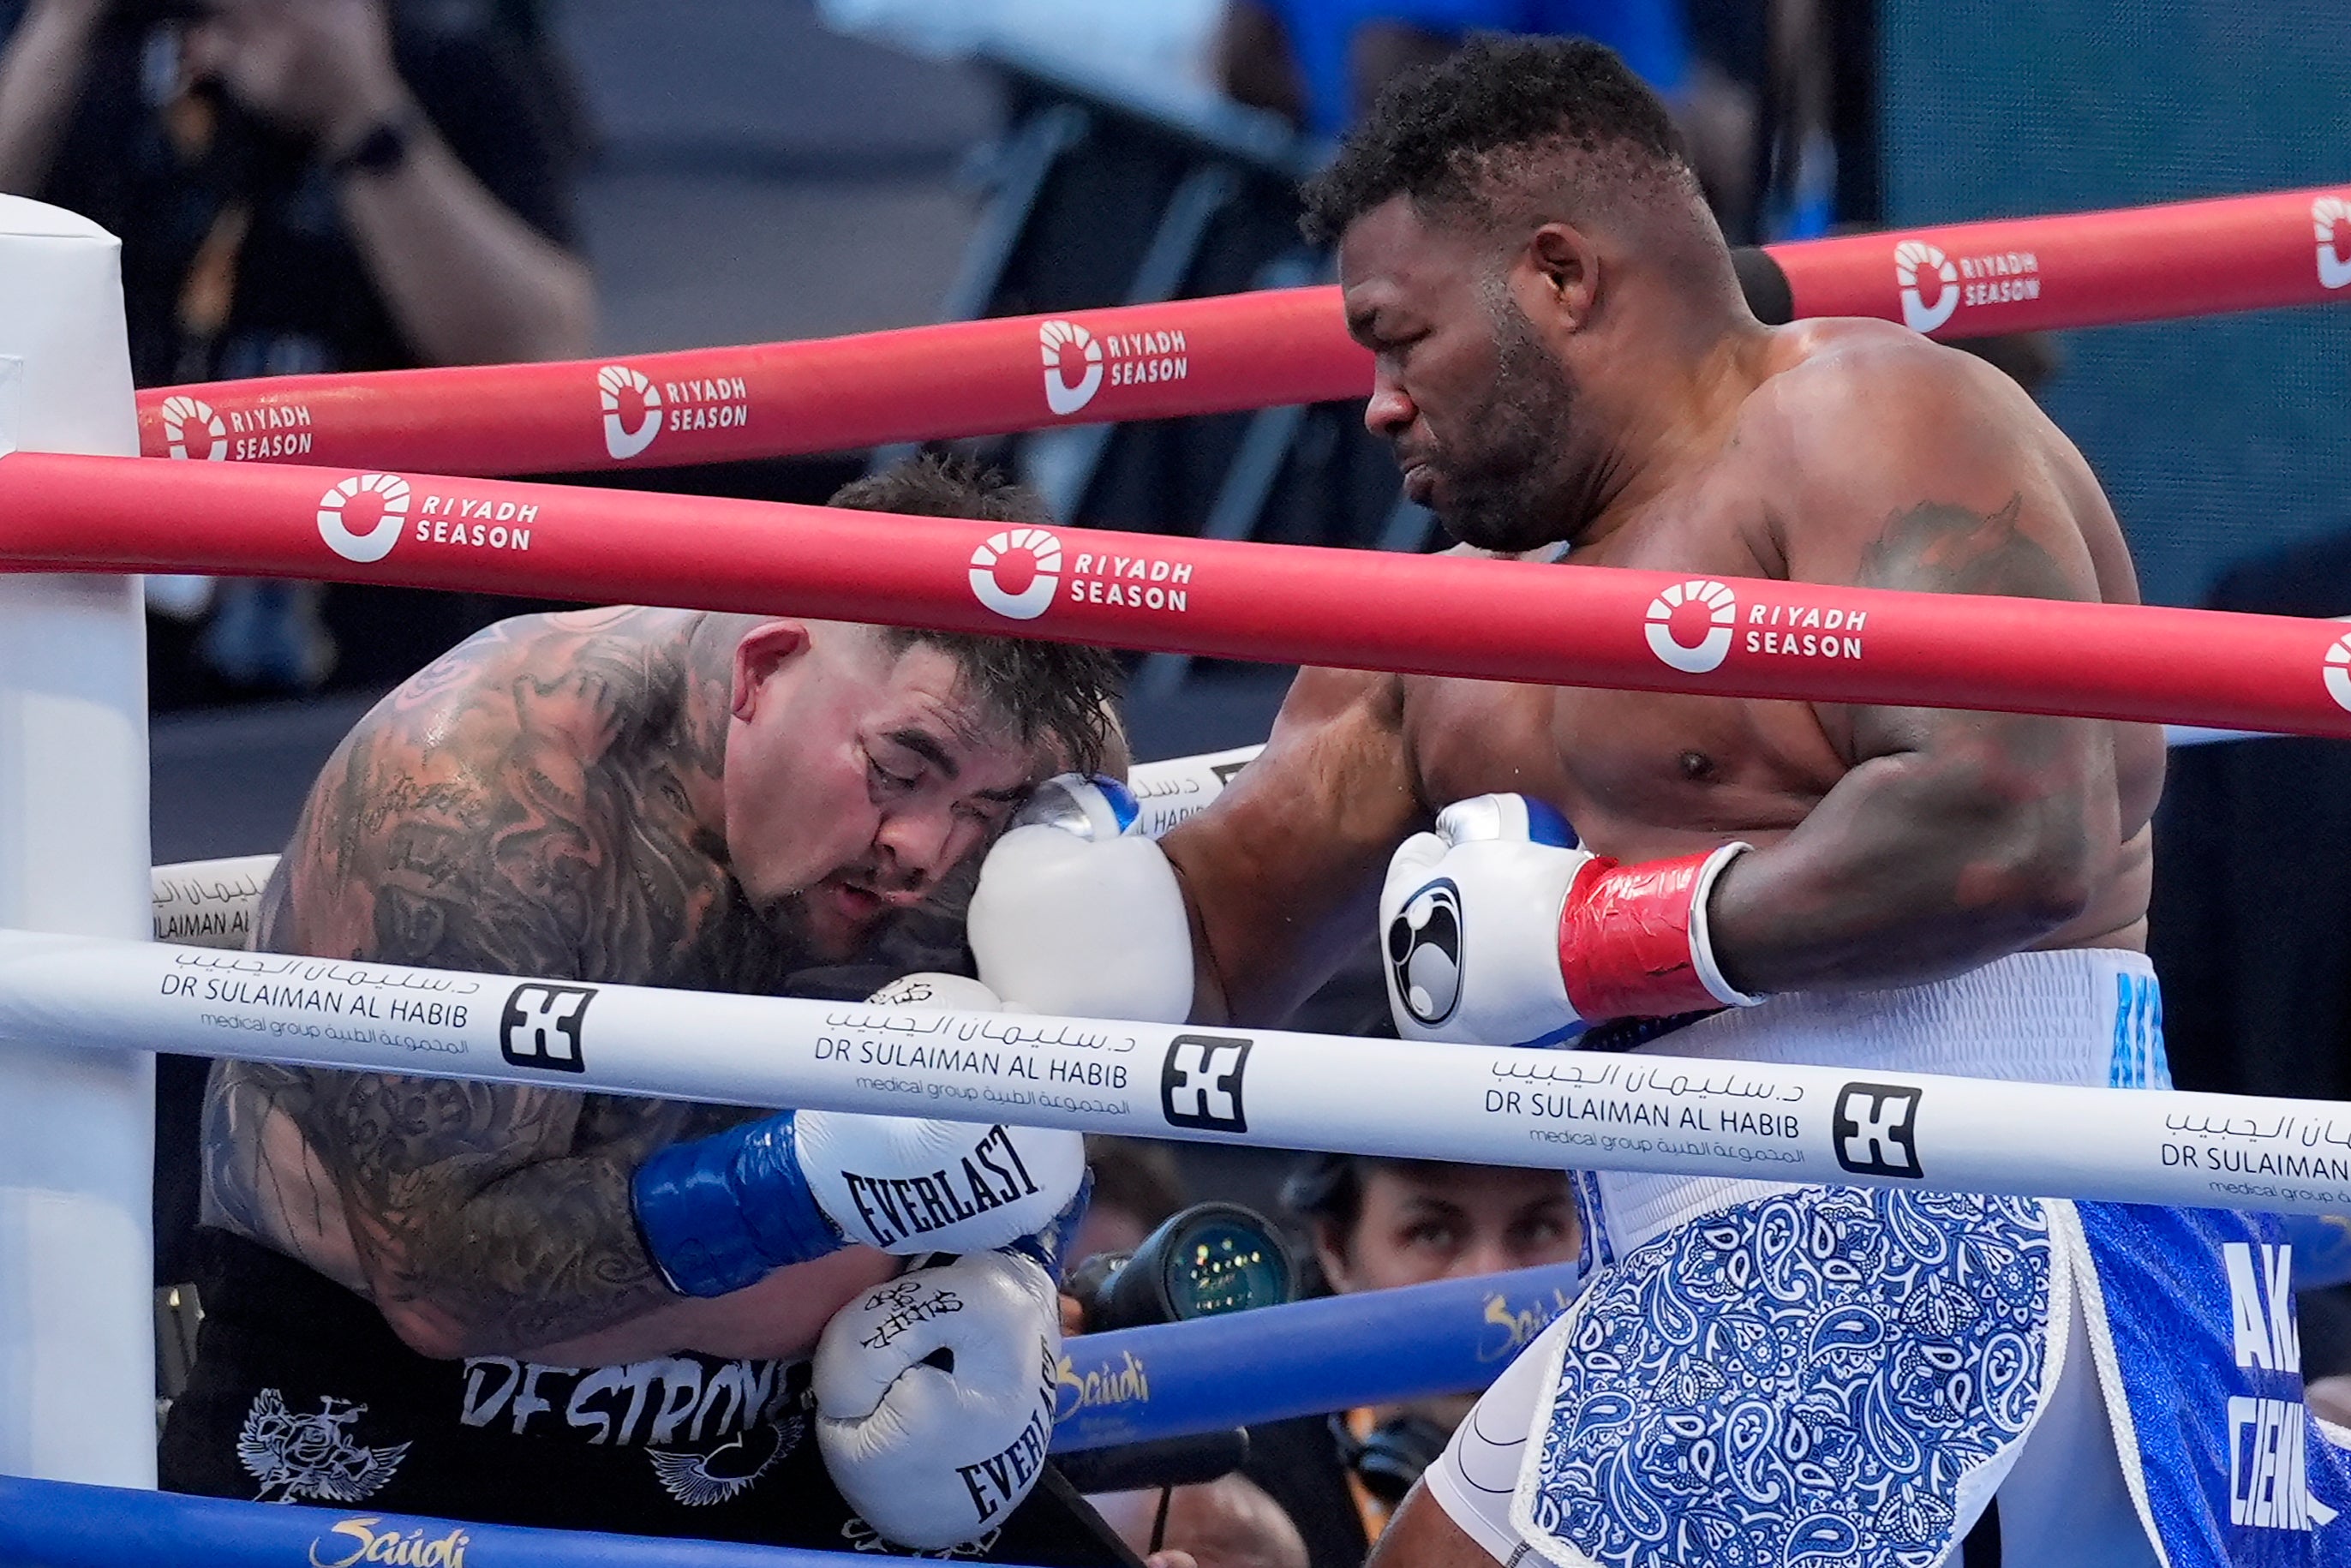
x=1546, y=826
x=1063, y=801
x=720, y=1213
x=1049, y=1248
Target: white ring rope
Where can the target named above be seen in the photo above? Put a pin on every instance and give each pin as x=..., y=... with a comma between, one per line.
x=210, y=904
x=1469, y=1103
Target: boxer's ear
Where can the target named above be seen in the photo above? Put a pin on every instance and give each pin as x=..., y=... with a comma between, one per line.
x=1559, y=275
x=763, y=650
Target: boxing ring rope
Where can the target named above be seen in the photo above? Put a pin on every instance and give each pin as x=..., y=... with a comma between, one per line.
x=1400, y=1099
x=61, y=1524
x=1237, y=351
x=1598, y=626
x=1333, y=1353
x=1636, y=631
x=1132, y=1385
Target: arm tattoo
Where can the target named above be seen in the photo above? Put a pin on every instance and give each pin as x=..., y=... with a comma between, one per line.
x=519, y=808
x=1939, y=548
x=1955, y=837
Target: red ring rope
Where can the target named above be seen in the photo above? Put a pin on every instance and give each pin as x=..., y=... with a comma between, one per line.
x=1197, y=356
x=1437, y=615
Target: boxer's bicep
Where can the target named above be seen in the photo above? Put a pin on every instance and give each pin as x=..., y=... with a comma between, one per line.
x=468, y=832
x=1296, y=845
x=1955, y=837
x=496, y=1219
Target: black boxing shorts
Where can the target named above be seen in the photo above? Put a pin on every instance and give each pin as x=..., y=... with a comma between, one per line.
x=301, y=1392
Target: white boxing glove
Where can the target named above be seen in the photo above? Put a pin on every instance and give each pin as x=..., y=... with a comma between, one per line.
x=933, y=992
x=910, y=1184
x=1076, y=913
x=719, y=1212
x=1469, y=924
x=935, y=1397
x=1498, y=930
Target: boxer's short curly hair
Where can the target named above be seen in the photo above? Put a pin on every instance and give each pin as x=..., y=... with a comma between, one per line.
x=1462, y=134
x=1060, y=692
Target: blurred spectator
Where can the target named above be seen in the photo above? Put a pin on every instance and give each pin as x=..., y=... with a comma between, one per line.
x=1319, y=63
x=1229, y=1522
x=1377, y=1224
x=304, y=185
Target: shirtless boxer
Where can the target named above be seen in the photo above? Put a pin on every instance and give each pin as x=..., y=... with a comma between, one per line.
x=518, y=1303
x=1758, y=1374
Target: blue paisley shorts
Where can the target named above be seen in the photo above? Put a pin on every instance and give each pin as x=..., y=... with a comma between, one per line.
x=1807, y=1378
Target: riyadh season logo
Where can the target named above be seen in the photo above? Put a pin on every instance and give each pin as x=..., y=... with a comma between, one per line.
x=2337, y=671
x=180, y=412
x=1721, y=607
x=620, y=440
x=390, y=492
x=2333, y=267
x=270, y=432
x=1015, y=572
x=1910, y=257
x=1055, y=338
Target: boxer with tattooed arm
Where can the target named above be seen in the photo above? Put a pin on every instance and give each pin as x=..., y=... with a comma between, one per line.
x=515, y=1302
x=1758, y=1373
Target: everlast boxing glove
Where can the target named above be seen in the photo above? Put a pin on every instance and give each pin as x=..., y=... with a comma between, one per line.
x=718, y=1213
x=934, y=1396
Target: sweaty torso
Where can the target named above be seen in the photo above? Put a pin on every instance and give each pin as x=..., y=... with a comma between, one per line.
x=1643, y=775
x=522, y=806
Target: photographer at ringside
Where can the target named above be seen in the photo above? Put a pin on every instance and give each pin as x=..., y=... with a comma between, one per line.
x=303, y=186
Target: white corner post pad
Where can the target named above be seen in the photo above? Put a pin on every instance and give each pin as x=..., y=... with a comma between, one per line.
x=76, y=1305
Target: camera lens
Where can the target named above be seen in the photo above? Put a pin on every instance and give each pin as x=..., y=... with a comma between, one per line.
x=1212, y=1257
x=1224, y=1260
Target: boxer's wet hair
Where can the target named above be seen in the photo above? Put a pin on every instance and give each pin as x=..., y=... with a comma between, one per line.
x=1484, y=129
x=1059, y=692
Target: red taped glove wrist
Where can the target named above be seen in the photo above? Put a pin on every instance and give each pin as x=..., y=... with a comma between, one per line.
x=1632, y=939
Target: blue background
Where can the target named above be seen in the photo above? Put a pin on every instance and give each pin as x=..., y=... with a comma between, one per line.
x=2217, y=438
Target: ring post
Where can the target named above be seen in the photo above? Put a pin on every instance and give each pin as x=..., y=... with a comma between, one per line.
x=76, y=1128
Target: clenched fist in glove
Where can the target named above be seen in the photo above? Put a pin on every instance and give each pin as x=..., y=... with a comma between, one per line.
x=1078, y=913
x=935, y=1392
x=934, y=1396
x=718, y=1213
x=1499, y=930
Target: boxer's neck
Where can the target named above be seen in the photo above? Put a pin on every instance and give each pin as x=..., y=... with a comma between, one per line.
x=705, y=704
x=1664, y=416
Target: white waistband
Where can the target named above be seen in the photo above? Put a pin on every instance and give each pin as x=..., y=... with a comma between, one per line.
x=2080, y=1016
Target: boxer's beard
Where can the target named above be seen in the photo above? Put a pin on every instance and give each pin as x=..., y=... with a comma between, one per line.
x=1505, y=493
x=797, y=926
x=806, y=940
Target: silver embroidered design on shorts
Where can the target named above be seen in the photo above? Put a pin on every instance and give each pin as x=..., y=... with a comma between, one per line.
x=311, y=1454
x=727, y=1472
